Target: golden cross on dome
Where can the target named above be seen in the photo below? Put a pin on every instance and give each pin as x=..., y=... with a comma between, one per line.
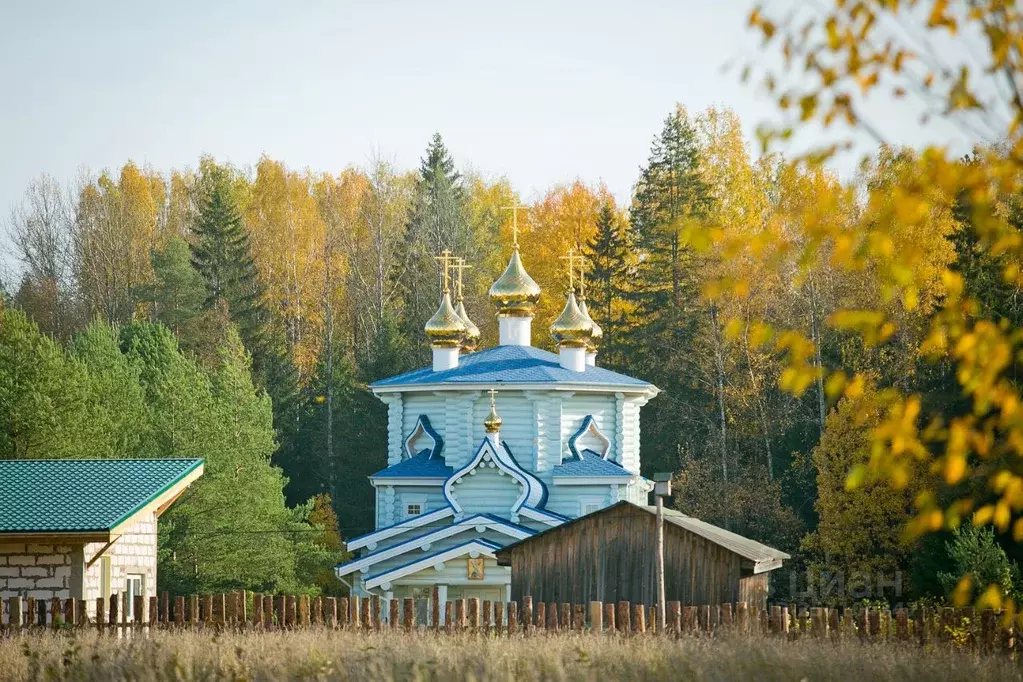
x=572, y=259
x=515, y=222
x=584, y=263
x=493, y=399
x=460, y=265
x=445, y=259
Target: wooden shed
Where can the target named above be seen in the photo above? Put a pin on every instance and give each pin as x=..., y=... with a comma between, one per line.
x=608, y=555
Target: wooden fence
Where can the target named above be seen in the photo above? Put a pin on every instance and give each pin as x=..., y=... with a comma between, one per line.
x=246, y=610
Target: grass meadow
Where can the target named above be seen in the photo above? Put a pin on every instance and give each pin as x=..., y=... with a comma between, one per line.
x=333, y=655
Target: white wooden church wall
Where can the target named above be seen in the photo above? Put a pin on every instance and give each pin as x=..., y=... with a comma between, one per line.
x=518, y=427
x=488, y=491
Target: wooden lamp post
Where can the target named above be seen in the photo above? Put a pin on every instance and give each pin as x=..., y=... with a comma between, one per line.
x=662, y=488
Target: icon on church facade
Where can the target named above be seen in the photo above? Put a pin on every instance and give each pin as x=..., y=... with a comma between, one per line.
x=474, y=568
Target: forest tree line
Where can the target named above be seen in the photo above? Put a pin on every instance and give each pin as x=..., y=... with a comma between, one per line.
x=238, y=314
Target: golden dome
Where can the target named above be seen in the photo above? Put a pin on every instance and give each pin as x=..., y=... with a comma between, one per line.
x=596, y=333
x=472, y=333
x=515, y=293
x=493, y=421
x=573, y=327
x=446, y=328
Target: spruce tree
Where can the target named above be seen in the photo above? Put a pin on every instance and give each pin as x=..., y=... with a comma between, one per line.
x=608, y=253
x=178, y=291
x=664, y=345
x=438, y=223
x=221, y=254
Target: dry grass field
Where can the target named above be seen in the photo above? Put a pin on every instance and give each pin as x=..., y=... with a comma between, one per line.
x=332, y=655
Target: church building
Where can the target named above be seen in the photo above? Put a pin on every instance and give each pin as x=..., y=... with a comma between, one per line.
x=488, y=447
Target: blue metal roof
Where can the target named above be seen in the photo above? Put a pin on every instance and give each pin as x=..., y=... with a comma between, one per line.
x=422, y=465
x=589, y=464
x=510, y=365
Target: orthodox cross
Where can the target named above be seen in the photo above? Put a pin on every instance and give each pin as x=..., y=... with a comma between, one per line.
x=460, y=265
x=572, y=259
x=493, y=401
x=515, y=222
x=583, y=264
x=445, y=259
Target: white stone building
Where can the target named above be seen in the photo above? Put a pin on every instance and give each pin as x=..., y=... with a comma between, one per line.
x=85, y=528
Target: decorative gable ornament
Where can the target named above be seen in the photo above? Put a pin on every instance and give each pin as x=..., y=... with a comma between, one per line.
x=423, y=431
x=590, y=438
x=488, y=455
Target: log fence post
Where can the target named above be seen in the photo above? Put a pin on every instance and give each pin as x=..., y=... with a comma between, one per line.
x=343, y=613
x=14, y=611
x=596, y=617
x=364, y=614
x=113, y=620
x=138, y=611
x=527, y=614
x=609, y=617
x=474, y=614
x=513, y=617
x=330, y=612
x=409, y=614
x=70, y=611
x=674, y=617
x=638, y=619
x=624, y=619
x=742, y=617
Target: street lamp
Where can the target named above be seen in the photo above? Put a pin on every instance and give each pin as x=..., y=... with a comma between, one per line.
x=662, y=488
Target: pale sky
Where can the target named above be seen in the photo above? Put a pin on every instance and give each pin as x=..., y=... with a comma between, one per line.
x=541, y=92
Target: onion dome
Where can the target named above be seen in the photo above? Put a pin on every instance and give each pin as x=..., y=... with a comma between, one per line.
x=573, y=327
x=493, y=421
x=472, y=333
x=596, y=333
x=446, y=328
x=515, y=293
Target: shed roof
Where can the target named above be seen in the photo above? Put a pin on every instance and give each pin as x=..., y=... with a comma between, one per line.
x=423, y=465
x=84, y=496
x=589, y=464
x=511, y=365
x=763, y=557
x=743, y=546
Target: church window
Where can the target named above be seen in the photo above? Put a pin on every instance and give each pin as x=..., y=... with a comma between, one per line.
x=414, y=505
x=588, y=505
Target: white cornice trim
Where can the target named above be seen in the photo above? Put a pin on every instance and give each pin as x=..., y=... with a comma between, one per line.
x=648, y=389
x=388, y=481
x=474, y=547
x=479, y=523
x=592, y=480
x=399, y=528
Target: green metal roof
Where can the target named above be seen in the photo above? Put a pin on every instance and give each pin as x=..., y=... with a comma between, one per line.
x=74, y=495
